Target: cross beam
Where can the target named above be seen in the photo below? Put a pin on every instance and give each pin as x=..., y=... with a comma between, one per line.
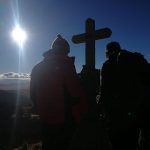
x=89, y=38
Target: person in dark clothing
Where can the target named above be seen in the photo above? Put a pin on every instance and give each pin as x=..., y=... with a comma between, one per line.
x=57, y=95
x=109, y=74
x=120, y=97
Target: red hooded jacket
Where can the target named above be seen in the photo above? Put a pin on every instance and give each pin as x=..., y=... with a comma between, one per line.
x=51, y=79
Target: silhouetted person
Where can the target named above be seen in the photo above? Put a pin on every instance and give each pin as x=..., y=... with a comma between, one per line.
x=109, y=76
x=57, y=95
x=121, y=96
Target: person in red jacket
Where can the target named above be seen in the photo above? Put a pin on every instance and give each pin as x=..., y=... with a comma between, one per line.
x=57, y=95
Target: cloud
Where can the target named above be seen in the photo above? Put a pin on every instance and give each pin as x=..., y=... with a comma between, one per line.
x=14, y=75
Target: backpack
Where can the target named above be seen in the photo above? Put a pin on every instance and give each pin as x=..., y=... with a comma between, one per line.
x=133, y=68
x=133, y=63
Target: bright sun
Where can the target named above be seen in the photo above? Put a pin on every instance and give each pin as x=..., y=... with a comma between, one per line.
x=19, y=35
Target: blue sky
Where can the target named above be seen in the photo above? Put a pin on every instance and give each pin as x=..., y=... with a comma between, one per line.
x=43, y=19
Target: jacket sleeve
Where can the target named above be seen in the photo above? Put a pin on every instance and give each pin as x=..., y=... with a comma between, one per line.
x=105, y=87
x=72, y=81
x=76, y=91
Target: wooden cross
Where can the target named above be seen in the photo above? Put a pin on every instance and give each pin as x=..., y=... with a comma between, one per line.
x=89, y=38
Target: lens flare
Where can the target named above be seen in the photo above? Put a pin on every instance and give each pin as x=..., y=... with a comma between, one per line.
x=19, y=35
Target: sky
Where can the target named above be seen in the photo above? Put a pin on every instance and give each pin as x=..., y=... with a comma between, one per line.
x=43, y=19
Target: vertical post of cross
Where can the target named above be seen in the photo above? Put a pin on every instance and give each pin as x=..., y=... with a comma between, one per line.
x=90, y=44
